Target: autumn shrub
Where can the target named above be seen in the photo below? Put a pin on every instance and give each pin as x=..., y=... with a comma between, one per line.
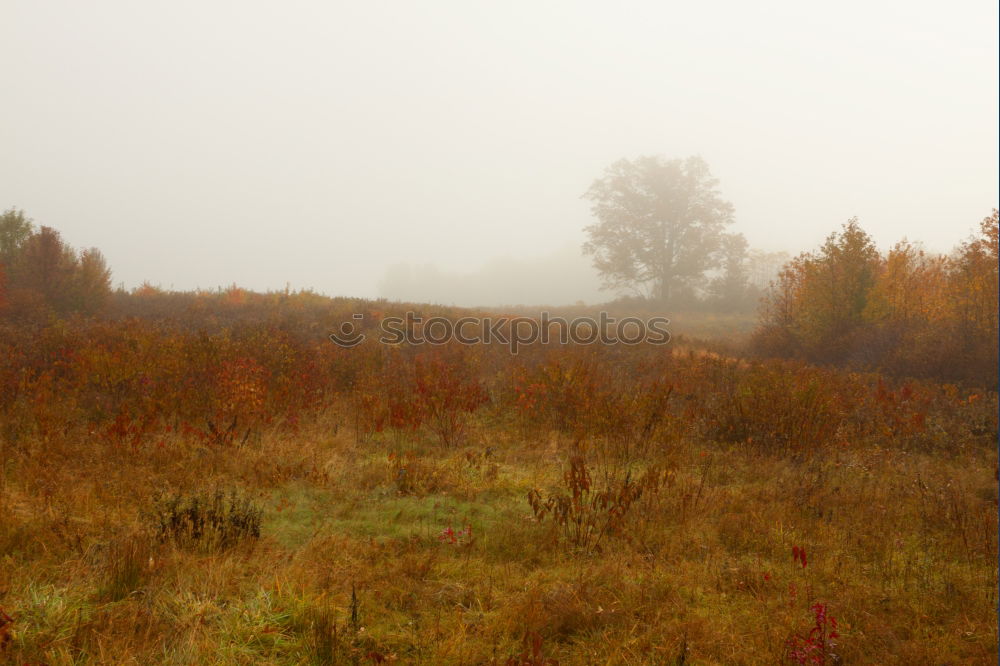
x=127, y=381
x=818, y=645
x=773, y=408
x=436, y=391
x=586, y=514
x=559, y=392
x=446, y=392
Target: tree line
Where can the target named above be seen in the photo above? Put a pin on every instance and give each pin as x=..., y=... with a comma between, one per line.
x=661, y=233
x=41, y=275
x=907, y=312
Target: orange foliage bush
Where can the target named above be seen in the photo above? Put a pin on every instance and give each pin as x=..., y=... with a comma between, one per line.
x=908, y=313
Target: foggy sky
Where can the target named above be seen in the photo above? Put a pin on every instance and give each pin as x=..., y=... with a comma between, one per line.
x=199, y=144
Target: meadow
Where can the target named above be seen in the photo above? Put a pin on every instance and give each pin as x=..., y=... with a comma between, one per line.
x=208, y=479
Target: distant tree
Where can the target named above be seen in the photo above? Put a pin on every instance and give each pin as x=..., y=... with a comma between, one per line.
x=660, y=225
x=974, y=291
x=911, y=288
x=836, y=295
x=15, y=229
x=730, y=290
x=41, y=275
x=776, y=335
x=47, y=266
x=817, y=307
x=763, y=267
x=93, y=282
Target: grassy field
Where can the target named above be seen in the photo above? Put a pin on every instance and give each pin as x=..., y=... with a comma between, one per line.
x=571, y=506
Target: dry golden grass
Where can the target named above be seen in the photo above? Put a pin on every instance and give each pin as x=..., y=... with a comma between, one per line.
x=351, y=566
x=394, y=520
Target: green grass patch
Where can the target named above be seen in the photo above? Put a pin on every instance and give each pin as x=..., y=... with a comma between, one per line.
x=295, y=513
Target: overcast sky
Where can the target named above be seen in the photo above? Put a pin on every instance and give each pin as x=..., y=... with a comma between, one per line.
x=199, y=144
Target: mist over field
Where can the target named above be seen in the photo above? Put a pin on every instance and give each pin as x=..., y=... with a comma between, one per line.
x=501, y=333
x=331, y=145
x=559, y=278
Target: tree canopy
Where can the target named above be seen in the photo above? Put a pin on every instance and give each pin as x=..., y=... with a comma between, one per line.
x=40, y=274
x=660, y=225
x=907, y=312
